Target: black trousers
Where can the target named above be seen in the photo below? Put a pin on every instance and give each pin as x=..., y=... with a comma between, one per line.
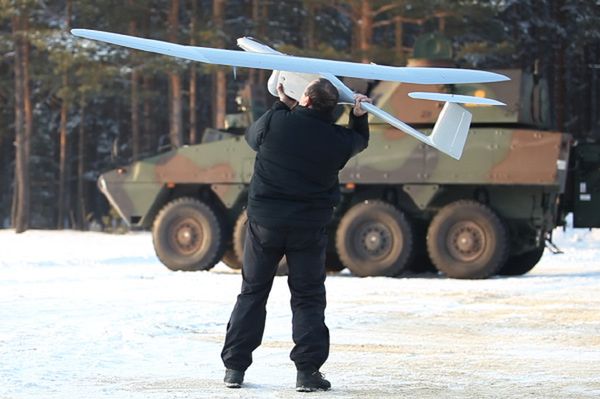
x=305, y=252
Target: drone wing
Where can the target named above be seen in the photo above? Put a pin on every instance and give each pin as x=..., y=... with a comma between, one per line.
x=449, y=133
x=454, y=98
x=283, y=62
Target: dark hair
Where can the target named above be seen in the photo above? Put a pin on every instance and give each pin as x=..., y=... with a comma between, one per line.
x=323, y=95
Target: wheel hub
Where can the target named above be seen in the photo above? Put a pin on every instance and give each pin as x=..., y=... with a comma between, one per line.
x=466, y=241
x=374, y=240
x=187, y=236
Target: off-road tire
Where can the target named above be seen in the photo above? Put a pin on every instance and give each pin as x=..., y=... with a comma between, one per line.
x=239, y=235
x=520, y=264
x=375, y=238
x=239, y=239
x=467, y=240
x=188, y=235
x=333, y=262
x=231, y=259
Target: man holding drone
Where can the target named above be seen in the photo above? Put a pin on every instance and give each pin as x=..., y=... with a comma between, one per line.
x=292, y=195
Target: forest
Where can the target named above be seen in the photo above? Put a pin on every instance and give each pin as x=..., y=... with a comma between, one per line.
x=70, y=110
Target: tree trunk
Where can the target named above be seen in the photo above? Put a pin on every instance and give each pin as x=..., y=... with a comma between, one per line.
x=176, y=121
x=20, y=193
x=175, y=108
x=442, y=24
x=260, y=10
x=220, y=79
x=311, y=42
x=62, y=169
x=135, y=115
x=257, y=23
x=594, y=115
x=220, y=99
x=150, y=142
x=262, y=31
x=28, y=120
x=63, y=199
x=81, y=211
x=559, y=69
x=135, y=98
x=399, y=40
x=69, y=13
x=193, y=136
x=149, y=134
x=365, y=30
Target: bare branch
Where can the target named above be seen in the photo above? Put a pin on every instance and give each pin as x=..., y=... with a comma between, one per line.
x=340, y=9
x=385, y=8
x=385, y=22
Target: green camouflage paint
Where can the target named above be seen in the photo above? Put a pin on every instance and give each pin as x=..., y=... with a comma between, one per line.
x=522, y=171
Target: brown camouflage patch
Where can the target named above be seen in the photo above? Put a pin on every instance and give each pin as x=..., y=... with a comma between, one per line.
x=530, y=160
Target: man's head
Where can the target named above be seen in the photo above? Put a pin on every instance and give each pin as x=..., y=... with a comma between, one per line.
x=320, y=95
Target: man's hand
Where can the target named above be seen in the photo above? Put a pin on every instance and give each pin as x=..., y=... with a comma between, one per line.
x=359, y=98
x=284, y=98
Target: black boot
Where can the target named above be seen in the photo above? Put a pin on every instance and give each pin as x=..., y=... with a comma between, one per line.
x=233, y=378
x=310, y=381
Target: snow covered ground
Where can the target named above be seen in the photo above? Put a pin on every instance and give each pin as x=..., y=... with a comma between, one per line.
x=90, y=315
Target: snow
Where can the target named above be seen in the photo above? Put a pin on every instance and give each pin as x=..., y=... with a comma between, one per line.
x=96, y=315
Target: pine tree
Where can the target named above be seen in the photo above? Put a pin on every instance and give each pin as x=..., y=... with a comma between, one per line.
x=220, y=79
x=23, y=120
x=175, y=108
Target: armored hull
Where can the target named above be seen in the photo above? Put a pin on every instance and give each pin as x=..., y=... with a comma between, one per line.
x=404, y=207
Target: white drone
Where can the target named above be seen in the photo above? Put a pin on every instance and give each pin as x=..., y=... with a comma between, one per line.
x=449, y=133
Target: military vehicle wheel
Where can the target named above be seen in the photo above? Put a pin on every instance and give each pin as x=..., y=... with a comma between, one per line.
x=466, y=239
x=522, y=263
x=239, y=239
x=374, y=238
x=188, y=236
x=239, y=235
x=333, y=262
x=231, y=259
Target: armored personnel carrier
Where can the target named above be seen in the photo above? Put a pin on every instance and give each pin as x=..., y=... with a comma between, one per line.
x=404, y=207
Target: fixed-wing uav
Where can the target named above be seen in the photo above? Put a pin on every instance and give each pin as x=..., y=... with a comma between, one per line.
x=449, y=133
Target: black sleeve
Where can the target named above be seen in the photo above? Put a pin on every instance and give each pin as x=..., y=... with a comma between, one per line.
x=360, y=132
x=256, y=132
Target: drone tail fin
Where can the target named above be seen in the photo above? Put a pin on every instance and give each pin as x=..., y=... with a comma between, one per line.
x=449, y=133
x=451, y=130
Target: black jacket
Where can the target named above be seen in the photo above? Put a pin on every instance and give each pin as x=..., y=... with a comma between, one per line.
x=299, y=155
